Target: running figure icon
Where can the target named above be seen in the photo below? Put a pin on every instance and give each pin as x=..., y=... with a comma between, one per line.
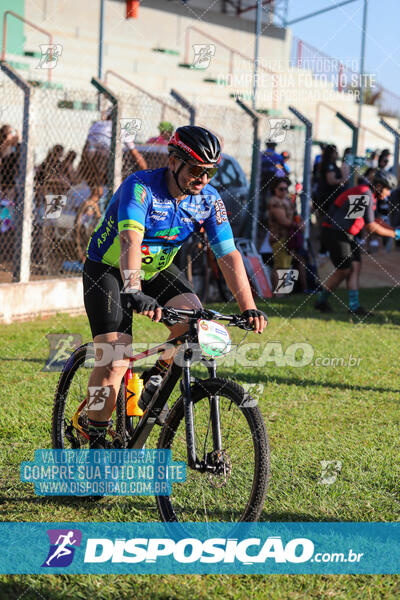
x=62, y=549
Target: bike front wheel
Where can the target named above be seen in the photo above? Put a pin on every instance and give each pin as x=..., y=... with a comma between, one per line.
x=70, y=429
x=237, y=492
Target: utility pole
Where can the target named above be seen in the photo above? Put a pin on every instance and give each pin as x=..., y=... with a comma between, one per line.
x=256, y=51
x=364, y=29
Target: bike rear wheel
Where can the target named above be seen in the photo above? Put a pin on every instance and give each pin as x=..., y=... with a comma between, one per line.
x=238, y=492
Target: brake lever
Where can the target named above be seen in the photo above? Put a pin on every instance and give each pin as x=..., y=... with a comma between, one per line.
x=238, y=321
x=170, y=317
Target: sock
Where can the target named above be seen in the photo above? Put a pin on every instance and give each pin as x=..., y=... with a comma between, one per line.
x=97, y=433
x=159, y=368
x=323, y=295
x=353, y=300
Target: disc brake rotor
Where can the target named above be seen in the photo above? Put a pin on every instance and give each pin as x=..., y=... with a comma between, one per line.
x=221, y=460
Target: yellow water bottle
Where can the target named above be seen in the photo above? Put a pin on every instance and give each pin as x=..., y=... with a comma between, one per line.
x=133, y=392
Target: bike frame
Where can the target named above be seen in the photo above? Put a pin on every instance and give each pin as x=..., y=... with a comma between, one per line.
x=174, y=373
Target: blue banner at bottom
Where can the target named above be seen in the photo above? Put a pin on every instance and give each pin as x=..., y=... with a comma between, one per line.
x=245, y=548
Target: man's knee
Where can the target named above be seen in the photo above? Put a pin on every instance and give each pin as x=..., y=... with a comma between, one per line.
x=187, y=302
x=112, y=352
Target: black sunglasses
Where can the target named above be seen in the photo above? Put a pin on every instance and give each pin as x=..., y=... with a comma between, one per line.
x=282, y=188
x=199, y=170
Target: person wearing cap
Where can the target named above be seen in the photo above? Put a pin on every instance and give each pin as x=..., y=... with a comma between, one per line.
x=129, y=266
x=353, y=210
x=97, y=149
x=166, y=129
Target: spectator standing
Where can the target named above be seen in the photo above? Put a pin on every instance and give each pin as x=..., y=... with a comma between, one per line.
x=272, y=164
x=96, y=152
x=284, y=231
x=353, y=210
x=67, y=168
x=331, y=182
x=383, y=160
x=51, y=167
x=371, y=159
x=10, y=151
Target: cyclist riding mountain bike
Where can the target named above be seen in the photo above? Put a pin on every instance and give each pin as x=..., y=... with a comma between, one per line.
x=352, y=211
x=149, y=217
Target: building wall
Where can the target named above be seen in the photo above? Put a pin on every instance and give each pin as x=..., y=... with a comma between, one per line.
x=15, y=27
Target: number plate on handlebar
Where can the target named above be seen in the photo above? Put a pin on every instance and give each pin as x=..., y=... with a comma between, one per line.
x=214, y=338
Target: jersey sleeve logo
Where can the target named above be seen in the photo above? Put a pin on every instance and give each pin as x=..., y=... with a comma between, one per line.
x=140, y=193
x=220, y=212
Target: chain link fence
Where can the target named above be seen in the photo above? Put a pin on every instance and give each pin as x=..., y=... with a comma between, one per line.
x=11, y=124
x=235, y=130
x=147, y=122
x=70, y=141
x=70, y=178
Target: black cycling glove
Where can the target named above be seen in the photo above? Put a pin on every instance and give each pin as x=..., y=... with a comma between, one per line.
x=253, y=312
x=142, y=303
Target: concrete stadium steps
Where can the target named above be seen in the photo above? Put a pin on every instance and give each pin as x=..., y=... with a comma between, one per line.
x=128, y=49
x=146, y=63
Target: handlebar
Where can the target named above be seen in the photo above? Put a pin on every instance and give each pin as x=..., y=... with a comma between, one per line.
x=171, y=316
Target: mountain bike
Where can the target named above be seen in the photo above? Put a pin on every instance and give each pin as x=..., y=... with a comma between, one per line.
x=214, y=426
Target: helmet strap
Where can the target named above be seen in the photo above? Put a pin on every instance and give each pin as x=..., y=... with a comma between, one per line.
x=176, y=175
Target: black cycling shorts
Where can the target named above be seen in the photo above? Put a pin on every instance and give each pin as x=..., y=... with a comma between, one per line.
x=106, y=307
x=342, y=247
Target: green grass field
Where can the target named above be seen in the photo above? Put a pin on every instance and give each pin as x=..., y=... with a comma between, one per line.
x=318, y=412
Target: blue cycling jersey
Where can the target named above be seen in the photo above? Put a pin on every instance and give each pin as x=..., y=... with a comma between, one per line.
x=143, y=203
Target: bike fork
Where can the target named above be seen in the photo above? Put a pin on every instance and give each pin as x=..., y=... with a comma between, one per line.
x=188, y=410
x=189, y=419
x=214, y=410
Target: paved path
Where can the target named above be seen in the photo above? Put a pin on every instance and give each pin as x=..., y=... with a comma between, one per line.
x=380, y=269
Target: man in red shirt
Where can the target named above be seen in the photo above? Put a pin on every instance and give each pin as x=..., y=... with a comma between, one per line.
x=353, y=210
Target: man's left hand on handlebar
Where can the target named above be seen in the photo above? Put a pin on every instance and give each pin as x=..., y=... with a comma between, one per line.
x=256, y=318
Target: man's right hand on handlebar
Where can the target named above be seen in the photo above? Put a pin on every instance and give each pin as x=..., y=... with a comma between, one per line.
x=256, y=319
x=145, y=305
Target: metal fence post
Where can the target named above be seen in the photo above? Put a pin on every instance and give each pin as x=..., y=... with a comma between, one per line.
x=306, y=191
x=114, y=169
x=24, y=183
x=396, y=135
x=254, y=191
x=354, y=143
x=185, y=104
